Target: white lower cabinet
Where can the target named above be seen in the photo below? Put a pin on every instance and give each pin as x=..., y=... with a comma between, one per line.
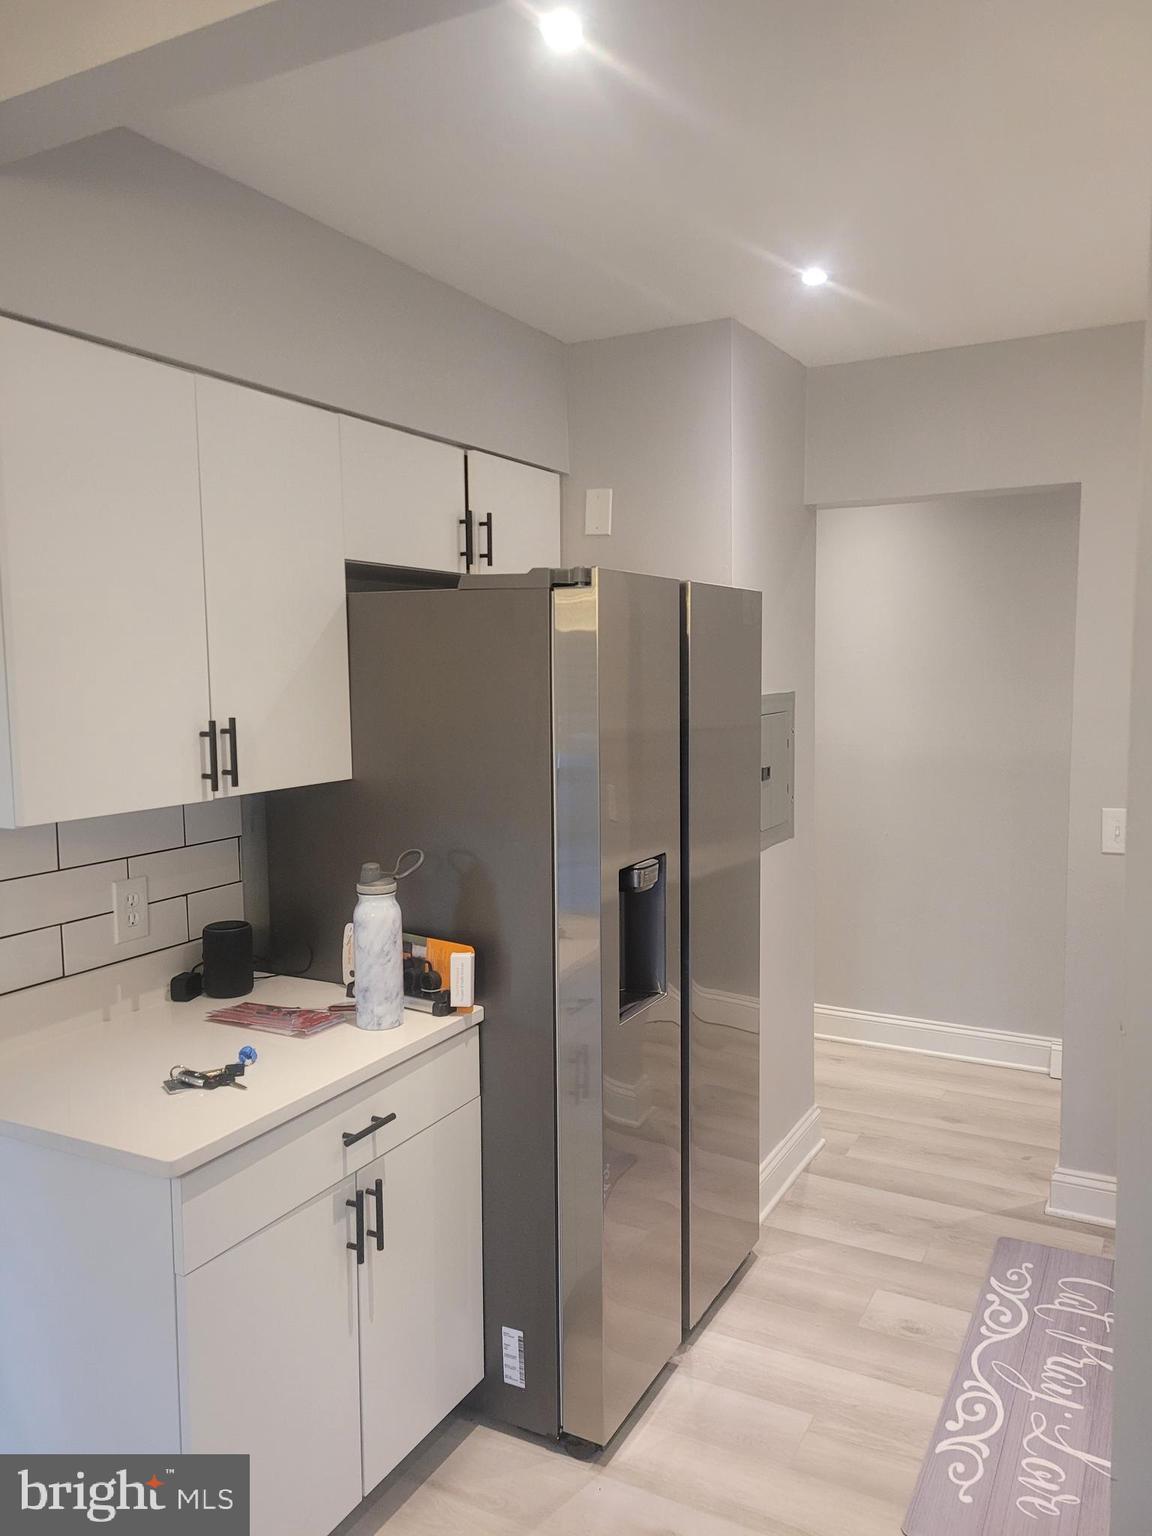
x=326, y=1369
x=421, y=1287
x=269, y=1366
x=312, y=1298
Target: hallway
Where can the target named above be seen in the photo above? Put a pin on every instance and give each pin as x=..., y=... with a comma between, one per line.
x=804, y=1404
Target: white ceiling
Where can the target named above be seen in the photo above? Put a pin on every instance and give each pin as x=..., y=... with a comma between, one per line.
x=967, y=170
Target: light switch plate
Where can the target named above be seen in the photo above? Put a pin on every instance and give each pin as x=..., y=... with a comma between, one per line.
x=130, y=909
x=1113, y=829
x=597, y=512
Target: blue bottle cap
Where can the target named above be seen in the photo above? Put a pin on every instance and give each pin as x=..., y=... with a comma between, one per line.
x=247, y=1054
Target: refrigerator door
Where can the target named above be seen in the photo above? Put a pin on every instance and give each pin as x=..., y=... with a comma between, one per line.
x=616, y=704
x=721, y=937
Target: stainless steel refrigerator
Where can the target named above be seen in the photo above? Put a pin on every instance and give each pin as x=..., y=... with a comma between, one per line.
x=562, y=745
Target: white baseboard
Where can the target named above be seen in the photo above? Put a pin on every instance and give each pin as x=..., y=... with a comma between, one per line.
x=1081, y=1196
x=788, y=1159
x=962, y=1042
x=735, y=1009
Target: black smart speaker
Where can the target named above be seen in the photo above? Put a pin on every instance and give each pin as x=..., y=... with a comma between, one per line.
x=228, y=968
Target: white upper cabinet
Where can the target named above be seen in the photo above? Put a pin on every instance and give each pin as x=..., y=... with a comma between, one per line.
x=516, y=512
x=172, y=556
x=403, y=497
x=274, y=584
x=101, y=580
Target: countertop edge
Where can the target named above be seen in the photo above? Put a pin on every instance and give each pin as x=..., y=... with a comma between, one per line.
x=133, y=1162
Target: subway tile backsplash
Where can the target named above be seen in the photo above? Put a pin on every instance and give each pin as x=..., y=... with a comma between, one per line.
x=42, y=901
x=181, y=870
x=30, y=851
x=28, y=958
x=210, y=820
x=111, y=837
x=216, y=906
x=56, y=887
x=93, y=942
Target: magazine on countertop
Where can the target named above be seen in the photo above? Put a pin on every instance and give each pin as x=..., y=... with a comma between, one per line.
x=272, y=1019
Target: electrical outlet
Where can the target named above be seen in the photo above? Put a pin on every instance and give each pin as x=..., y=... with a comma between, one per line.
x=130, y=909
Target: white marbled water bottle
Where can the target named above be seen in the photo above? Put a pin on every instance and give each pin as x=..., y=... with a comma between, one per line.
x=377, y=940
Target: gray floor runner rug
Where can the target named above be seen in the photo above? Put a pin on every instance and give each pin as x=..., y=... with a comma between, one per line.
x=1023, y=1442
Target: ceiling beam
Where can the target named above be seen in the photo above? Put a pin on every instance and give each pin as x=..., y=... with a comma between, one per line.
x=264, y=40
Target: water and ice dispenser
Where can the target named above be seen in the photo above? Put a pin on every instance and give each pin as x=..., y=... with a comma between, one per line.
x=643, y=934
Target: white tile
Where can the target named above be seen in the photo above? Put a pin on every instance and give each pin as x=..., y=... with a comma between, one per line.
x=211, y=819
x=29, y=958
x=38, y=900
x=217, y=906
x=27, y=850
x=109, y=993
x=188, y=869
x=115, y=837
x=92, y=942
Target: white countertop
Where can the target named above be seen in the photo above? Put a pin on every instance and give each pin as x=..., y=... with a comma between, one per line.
x=94, y=1087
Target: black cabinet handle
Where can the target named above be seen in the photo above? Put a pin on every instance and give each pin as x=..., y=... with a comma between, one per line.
x=213, y=774
x=233, y=772
x=378, y=1230
x=469, y=551
x=358, y=1206
x=350, y=1138
x=486, y=522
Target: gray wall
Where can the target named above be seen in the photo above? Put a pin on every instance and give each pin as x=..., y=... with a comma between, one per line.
x=1051, y=410
x=774, y=551
x=944, y=645
x=119, y=239
x=699, y=432
x=650, y=416
x=1132, y=1490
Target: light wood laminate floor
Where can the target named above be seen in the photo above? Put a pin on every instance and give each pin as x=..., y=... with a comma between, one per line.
x=803, y=1404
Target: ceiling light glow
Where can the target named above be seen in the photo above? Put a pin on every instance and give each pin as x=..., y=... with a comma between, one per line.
x=562, y=30
x=813, y=277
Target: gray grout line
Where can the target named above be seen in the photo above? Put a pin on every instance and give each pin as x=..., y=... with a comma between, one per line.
x=63, y=923
x=110, y=964
x=67, y=869
x=22, y=933
x=107, y=966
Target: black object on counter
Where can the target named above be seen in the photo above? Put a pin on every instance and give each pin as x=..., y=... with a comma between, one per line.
x=228, y=961
x=184, y=987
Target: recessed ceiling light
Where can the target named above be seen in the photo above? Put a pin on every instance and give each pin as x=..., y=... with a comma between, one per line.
x=562, y=30
x=813, y=277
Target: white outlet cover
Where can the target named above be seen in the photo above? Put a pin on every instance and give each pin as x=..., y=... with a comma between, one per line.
x=130, y=909
x=598, y=512
x=1113, y=829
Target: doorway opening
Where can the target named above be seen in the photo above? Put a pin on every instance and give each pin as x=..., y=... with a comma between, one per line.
x=945, y=633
